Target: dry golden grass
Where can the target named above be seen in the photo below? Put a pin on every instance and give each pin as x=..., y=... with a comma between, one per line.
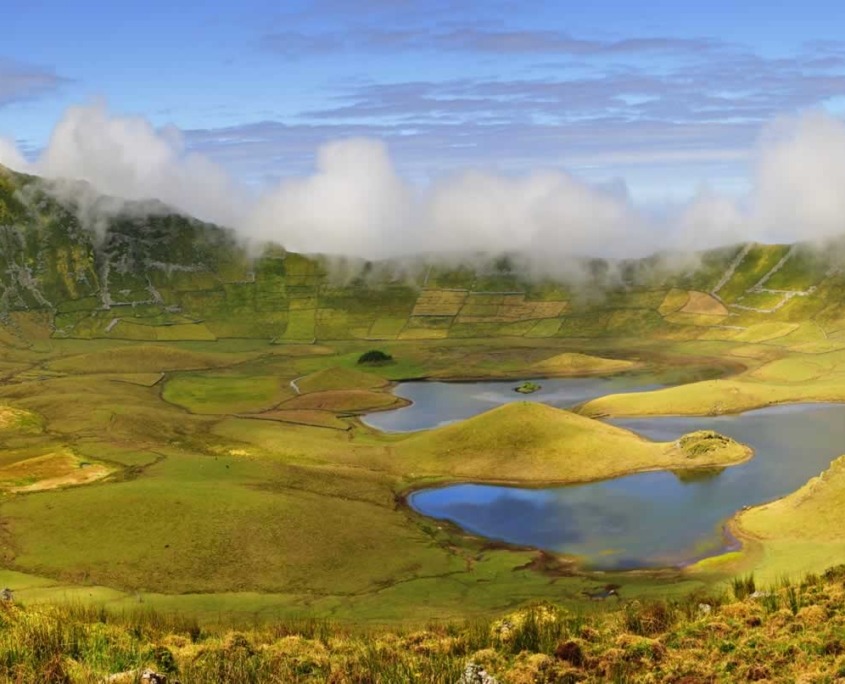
x=439, y=302
x=674, y=301
x=143, y=358
x=315, y=418
x=704, y=304
x=339, y=378
x=11, y=418
x=573, y=363
x=56, y=469
x=792, y=633
x=342, y=401
x=526, y=441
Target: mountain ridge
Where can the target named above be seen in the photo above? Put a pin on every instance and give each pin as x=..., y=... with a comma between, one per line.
x=96, y=267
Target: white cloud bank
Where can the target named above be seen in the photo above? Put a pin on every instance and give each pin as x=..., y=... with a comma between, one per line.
x=357, y=204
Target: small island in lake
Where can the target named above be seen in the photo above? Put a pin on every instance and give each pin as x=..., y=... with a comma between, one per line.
x=527, y=387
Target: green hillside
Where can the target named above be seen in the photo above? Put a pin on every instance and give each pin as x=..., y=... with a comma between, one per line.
x=138, y=271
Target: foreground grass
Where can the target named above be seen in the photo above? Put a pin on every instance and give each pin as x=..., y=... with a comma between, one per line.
x=792, y=631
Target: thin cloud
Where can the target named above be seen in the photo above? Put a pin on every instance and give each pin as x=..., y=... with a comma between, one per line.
x=25, y=82
x=483, y=41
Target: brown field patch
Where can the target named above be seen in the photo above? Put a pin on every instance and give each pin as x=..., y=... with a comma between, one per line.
x=699, y=320
x=294, y=349
x=511, y=308
x=314, y=418
x=338, y=378
x=11, y=417
x=704, y=304
x=342, y=401
x=424, y=334
x=520, y=310
x=439, y=303
x=50, y=471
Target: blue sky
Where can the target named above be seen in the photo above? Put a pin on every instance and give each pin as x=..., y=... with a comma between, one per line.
x=664, y=95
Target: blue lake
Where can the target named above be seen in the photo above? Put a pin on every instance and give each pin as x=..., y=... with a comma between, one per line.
x=440, y=403
x=654, y=519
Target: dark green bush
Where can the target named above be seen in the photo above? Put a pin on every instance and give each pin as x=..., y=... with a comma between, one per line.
x=374, y=357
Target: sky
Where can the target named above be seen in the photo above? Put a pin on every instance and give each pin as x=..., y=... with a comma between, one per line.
x=668, y=104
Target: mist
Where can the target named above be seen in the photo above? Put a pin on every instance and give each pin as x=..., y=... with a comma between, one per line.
x=357, y=204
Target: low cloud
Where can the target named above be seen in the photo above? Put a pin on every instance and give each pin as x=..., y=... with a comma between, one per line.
x=547, y=214
x=356, y=203
x=127, y=157
x=709, y=220
x=800, y=179
x=24, y=81
x=11, y=157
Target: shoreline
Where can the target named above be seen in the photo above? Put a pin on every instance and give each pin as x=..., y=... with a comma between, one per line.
x=404, y=496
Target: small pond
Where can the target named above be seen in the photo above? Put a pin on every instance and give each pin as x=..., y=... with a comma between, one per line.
x=654, y=519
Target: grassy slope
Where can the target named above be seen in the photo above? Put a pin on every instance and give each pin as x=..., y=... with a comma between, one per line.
x=572, y=363
x=796, y=378
x=339, y=378
x=801, y=531
x=533, y=442
x=224, y=394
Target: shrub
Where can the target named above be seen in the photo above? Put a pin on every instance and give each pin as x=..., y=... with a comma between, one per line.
x=374, y=357
x=744, y=586
x=650, y=618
